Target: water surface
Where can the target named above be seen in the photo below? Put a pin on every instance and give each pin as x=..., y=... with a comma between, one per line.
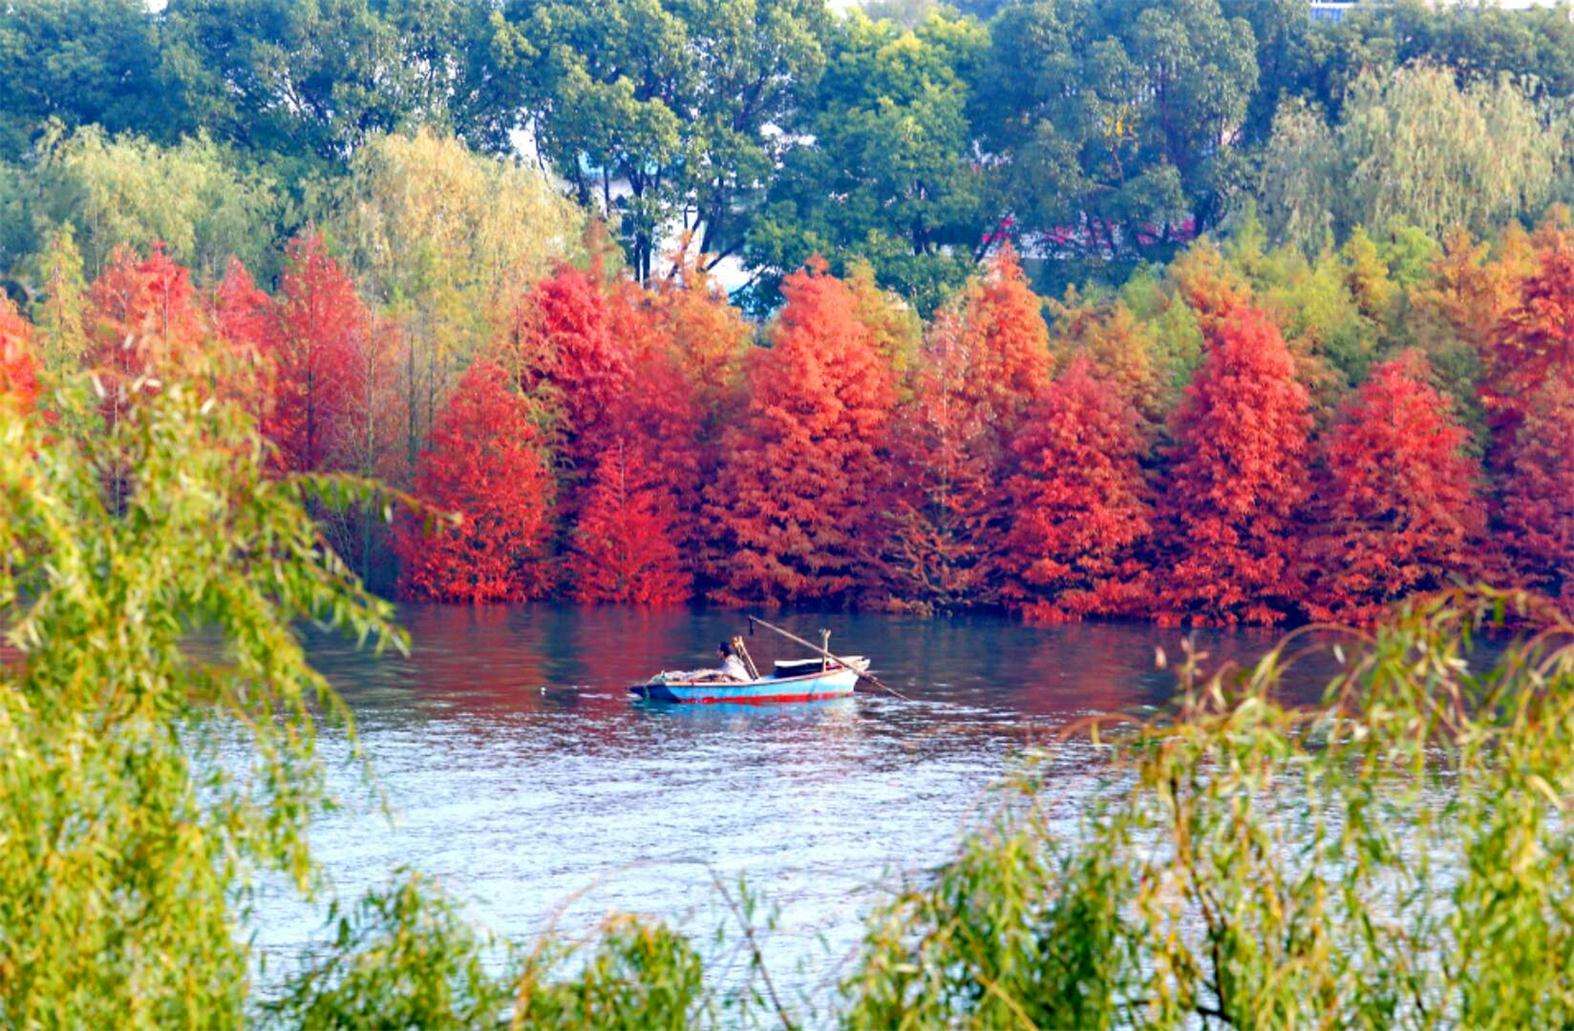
x=523, y=778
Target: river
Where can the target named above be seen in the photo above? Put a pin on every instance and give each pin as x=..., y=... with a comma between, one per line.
x=522, y=777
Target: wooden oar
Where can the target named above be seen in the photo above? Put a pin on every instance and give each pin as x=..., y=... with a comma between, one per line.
x=862, y=675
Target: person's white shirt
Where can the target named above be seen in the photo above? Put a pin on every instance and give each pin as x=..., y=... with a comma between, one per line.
x=733, y=667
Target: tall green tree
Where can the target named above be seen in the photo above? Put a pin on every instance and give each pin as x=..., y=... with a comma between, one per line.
x=192, y=197
x=312, y=80
x=890, y=179
x=79, y=62
x=667, y=113
x=1415, y=145
x=1113, y=129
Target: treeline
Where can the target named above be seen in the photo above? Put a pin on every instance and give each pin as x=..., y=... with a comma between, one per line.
x=1094, y=136
x=1251, y=435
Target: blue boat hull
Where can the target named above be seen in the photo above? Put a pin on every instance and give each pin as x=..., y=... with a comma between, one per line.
x=833, y=683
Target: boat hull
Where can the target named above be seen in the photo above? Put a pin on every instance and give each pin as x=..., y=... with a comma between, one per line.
x=835, y=683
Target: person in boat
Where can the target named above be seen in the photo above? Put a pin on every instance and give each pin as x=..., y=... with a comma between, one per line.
x=732, y=667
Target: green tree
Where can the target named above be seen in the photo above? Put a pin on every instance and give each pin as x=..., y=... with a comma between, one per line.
x=1414, y=147
x=79, y=62
x=669, y=115
x=889, y=179
x=312, y=81
x=152, y=633
x=1114, y=128
x=445, y=240
x=191, y=197
x=60, y=300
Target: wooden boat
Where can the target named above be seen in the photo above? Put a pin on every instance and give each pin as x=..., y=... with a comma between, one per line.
x=798, y=680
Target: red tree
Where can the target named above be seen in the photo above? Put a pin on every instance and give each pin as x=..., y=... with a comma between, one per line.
x=244, y=316
x=18, y=368
x=1535, y=516
x=322, y=325
x=143, y=316
x=635, y=536
x=482, y=463
x=1397, y=510
x=941, y=497
x=1237, y=479
x=985, y=364
x=1535, y=340
x=568, y=359
x=1010, y=364
x=792, y=499
x=1076, y=502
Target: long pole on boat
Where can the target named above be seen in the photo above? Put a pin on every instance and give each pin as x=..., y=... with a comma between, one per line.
x=863, y=675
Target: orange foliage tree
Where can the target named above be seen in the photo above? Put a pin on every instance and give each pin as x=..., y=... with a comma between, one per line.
x=986, y=362
x=482, y=463
x=142, y=314
x=1397, y=509
x=568, y=360
x=1077, y=504
x=634, y=540
x=322, y=325
x=792, y=500
x=1535, y=514
x=1008, y=345
x=1237, y=479
x=18, y=367
x=940, y=500
x=1535, y=340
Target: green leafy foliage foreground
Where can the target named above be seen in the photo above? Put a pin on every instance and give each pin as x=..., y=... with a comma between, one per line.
x=1395, y=854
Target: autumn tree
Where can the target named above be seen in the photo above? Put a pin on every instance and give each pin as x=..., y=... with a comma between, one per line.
x=1077, y=503
x=986, y=362
x=244, y=316
x=635, y=537
x=1535, y=514
x=142, y=313
x=939, y=504
x=1009, y=342
x=18, y=366
x=792, y=499
x=1397, y=509
x=321, y=328
x=445, y=240
x=1534, y=342
x=567, y=359
x=1237, y=480
x=483, y=464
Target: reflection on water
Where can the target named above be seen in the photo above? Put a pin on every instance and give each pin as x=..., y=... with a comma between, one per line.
x=523, y=777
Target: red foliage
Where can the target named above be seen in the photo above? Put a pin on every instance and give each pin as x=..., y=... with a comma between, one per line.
x=1237, y=479
x=983, y=366
x=1536, y=515
x=567, y=357
x=1077, y=505
x=1535, y=341
x=1008, y=345
x=1397, y=509
x=322, y=325
x=244, y=316
x=792, y=499
x=482, y=463
x=18, y=367
x=935, y=543
x=143, y=315
x=635, y=537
